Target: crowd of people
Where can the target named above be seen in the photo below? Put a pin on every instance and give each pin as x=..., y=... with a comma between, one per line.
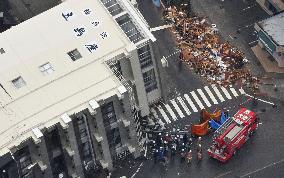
x=168, y=146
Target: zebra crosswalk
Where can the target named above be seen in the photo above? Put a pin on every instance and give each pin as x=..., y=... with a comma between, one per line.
x=196, y=100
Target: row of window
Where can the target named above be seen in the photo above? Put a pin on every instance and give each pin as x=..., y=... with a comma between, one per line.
x=46, y=68
x=150, y=82
x=145, y=59
x=144, y=55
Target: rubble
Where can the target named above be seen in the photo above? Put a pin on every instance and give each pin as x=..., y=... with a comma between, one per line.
x=203, y=50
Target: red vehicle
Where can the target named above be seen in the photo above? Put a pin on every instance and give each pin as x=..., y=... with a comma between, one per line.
x=232, y=134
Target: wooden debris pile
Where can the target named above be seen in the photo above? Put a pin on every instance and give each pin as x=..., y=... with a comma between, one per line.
x=203, y=50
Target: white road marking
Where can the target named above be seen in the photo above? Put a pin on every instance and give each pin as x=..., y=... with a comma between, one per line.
x=197, y=100
x=210, y=95
x=190, y=103
x=260, y=99
x=242, y=91
x=174, y=117
x=234, y=92
x=260, y=169
x=163, y=113
x=204, y=97
x=183, y=105
x=160, y=28
x=226, y=92
x=218, y=93
x=153, y=111
x=181, y=115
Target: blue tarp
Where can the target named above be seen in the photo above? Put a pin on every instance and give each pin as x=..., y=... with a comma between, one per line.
x=213, y=124
x=224, y=117
x=157, y=3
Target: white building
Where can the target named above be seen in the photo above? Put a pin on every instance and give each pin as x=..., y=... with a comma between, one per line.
x=63, y=109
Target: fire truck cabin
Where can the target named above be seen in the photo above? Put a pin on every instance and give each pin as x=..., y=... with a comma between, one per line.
x=232, y=134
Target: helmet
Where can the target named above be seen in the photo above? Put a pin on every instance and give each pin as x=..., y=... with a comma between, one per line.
x=199, y=138
x=154, y=141
x=182, y=149
x=160, y=133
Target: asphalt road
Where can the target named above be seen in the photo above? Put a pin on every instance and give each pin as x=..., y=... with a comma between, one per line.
x=235, y=20
x=263, y=155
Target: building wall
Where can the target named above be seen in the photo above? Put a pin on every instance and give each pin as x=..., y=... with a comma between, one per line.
x=265, y=42
x=271, y=6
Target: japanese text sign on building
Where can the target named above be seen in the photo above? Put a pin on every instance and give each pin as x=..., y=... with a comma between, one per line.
x=68, y=15
x=92, y=47
x=80, y=30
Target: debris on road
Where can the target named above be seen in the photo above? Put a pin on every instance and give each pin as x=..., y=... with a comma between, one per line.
x=204, y=52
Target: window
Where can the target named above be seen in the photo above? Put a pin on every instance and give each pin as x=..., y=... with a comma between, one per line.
x=144, y=55
x=113, y=137
x=129, y=28
x=2, y=51
x=46, y=68
x=112, y=6
x=19, y=82
x=150, y=80
x=108, y=113
x=74, y=54
x=85, y=142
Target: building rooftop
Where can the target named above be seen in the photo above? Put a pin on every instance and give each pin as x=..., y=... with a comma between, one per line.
x=49, y=37
x=274, y=27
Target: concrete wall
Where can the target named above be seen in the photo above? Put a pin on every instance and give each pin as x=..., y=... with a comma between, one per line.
x=103, y=147
x=39, y=153
x=278, y=4
x=76, y=160
x=139, y=83
x=154, y=95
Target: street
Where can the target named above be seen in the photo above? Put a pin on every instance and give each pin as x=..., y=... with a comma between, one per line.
x=263, y=155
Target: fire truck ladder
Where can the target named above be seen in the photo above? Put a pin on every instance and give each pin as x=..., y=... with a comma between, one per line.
x=223, y=127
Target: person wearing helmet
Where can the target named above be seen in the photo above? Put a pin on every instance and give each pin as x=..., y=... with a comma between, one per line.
x=182, y=154
x=189, y=156
x=199, y=141
x=199, y=152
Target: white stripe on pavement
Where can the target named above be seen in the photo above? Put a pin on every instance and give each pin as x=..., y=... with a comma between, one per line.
x=190, y=103
x=218, y=93
x=164, y=115
x=242, y=91
x=210, y=95
x=204, y=97
x=174, y=117
x=183, y=105
x=226, y=92
x=153, y=111
x=234, y=92
x=197, y=100
x=181, y=115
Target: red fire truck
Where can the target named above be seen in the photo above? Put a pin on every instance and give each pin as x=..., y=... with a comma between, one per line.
x=232, y=134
